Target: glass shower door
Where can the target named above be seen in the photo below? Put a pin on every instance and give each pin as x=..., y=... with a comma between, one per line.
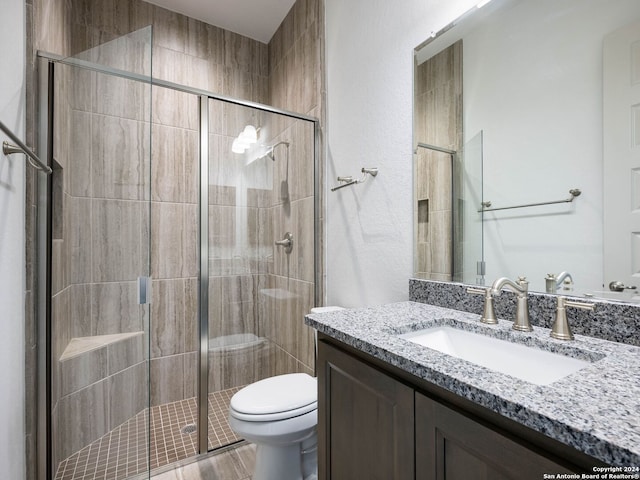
x=100, y=244
x=260, y=190
x=469, y=221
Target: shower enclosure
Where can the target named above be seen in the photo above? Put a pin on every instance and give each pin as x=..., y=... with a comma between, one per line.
x=164, y=291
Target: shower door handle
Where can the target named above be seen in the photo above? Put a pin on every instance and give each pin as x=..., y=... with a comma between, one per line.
x=144, y=290
x=286, y=242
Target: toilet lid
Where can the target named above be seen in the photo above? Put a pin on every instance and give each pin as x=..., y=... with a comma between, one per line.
x=283, y=393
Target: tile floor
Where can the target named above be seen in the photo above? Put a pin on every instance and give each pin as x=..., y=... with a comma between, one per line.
x=122, y=452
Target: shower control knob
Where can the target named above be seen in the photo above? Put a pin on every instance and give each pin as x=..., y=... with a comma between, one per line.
x=286, y=242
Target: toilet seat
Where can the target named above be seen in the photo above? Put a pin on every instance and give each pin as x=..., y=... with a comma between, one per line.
x=270, y=417
x=276, y=398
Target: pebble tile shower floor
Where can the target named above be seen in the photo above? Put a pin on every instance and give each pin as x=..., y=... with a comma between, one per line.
x=123, y=452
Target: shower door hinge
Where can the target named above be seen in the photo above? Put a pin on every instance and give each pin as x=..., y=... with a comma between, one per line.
x=481, y=268
x=144, y=290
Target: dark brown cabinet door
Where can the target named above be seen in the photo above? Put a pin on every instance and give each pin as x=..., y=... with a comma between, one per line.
x=452, y=446
x=365, y=421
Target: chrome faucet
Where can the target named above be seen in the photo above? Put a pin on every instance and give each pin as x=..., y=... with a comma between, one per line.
x=521, y=288
x=553, y=281
x=488, y=312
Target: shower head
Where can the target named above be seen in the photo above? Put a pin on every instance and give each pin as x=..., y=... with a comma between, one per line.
x=270, y=153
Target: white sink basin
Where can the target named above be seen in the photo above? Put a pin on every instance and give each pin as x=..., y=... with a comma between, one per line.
x=526, y=363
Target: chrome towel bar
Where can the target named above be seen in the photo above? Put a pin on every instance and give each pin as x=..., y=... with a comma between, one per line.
x=346, y=181
x=575, y=192
x=20, y=147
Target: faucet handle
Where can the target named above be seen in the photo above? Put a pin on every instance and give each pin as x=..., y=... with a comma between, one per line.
x=488, y=312
x=522, y=323
x=476, y=290
x=560, y=329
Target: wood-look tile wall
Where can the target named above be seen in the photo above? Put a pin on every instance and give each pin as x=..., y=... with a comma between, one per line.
x=438, y=121
x=46, y=29
x=296, y=84
x=99, y=250
x=95, y=294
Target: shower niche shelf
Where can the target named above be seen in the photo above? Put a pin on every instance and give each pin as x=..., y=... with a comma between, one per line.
x=90, y=360
x=79, y=345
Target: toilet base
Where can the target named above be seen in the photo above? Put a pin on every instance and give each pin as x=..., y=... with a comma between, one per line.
x=278, y=462
x=287, y=462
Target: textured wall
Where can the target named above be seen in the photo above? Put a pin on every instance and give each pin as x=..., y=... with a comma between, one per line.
x=369, y=124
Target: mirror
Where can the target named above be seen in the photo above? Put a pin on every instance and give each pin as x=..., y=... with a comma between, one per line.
x=526, y=95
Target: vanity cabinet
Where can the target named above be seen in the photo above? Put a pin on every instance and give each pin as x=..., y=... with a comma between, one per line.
x=366, y=420
x=376, y=424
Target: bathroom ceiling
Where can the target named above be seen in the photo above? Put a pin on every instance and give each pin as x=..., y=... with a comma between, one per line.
x=257, y=19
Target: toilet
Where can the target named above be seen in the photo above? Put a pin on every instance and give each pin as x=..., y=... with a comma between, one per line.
x=280, y=415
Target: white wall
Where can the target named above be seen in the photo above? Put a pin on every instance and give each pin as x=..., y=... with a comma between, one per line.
x=369, y=55
x=530, y=155
x=12, y=262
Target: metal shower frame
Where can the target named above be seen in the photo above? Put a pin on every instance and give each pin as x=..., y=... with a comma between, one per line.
x=46, y=76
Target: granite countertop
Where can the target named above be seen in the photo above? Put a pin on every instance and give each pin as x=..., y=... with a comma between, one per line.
x=595, y=410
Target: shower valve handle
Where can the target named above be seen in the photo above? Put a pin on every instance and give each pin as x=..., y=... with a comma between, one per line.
x=286, y=242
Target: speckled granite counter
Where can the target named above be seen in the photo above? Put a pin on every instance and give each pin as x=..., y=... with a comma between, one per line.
x=596, y=410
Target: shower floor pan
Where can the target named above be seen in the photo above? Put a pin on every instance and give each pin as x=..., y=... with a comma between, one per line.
x=125, y=451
